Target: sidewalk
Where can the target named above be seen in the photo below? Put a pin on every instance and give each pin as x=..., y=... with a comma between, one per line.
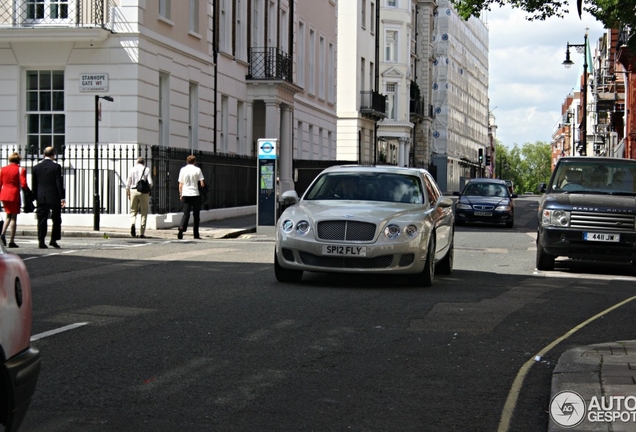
x=605, y=370
x=216, y=229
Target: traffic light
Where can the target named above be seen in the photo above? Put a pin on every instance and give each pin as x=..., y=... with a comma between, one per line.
x=481, y=156
x=487, y=159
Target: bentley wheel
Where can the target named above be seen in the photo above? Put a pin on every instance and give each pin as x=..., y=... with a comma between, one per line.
x=286, y=275
x=445, y=265
x=425, y=278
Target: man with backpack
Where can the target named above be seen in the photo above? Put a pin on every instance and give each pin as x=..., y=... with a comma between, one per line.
x=138, y=189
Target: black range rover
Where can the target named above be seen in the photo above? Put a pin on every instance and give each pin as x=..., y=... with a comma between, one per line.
x=588, y=211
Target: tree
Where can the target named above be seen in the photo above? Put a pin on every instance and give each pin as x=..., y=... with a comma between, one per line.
x=616, y=14
x=526, y=166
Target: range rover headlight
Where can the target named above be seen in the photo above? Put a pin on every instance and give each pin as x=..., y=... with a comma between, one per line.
x=410, y=231
x=392, y=231
x=558, y=218
x=287, y=226
x=302, y=228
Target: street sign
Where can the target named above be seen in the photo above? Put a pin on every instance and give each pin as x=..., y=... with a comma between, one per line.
x=93, y=82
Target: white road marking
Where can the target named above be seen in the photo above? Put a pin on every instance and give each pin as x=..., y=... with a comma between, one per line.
x=56, y=331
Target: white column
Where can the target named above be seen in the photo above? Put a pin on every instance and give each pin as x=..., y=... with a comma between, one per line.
x=286, y=149
x=249, y=133
x=272, y=120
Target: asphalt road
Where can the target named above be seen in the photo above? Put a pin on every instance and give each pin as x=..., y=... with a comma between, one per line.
x=198, y=336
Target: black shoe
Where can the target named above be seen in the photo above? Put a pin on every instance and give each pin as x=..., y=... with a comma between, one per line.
x=180, y=234
x=4, y=239
x=54, y=244
x=197, y=238
x=42, y=246
x=132, y=231
x=13, y=245
x=142, y=236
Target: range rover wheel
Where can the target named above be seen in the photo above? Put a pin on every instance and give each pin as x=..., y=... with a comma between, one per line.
x=545, y=261
x=286, y=275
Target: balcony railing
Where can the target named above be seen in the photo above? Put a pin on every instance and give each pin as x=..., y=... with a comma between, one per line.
x=372, y=105
x=270, y=64
x=53, y=13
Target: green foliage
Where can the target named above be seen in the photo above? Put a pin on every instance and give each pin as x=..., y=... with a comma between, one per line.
x=617, y=14
x=526, y=166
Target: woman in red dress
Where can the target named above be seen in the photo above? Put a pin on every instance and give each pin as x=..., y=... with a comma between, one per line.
x=12, y=180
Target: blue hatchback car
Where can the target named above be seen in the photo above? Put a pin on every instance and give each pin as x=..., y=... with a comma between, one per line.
x=485, y=200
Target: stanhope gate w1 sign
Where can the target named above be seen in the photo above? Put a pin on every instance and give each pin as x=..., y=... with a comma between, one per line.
x=93, y=82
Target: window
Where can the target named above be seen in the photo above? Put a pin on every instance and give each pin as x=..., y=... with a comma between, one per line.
x=310, y=141
x=391, y=41
x=321, y=68
x=312, y=61
x=391, y=100
x=240, y=128
x=301, y=54
x=164, y=8
x=50, y=11
x=363, y=13
x=331, y=84
x=392, y=3
x=241, y=33
x=257, y=34
x=46, y=122
x=371, y=76
x=362, y=74
x=372, y=19
x=225, y=35
x=193, y=117
x=194, y=16
x=224, y=124
x=164, y=110
x=301, y=137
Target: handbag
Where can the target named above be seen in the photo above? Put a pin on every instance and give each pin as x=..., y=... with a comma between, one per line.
x=143, y=186
x=29, y=197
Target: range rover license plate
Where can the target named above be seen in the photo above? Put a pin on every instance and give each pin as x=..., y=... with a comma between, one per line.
x=602, y=237
x=358, y=251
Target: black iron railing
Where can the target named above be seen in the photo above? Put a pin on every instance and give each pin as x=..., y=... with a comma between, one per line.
x=232, y=179
x=47, y=13
x=372, y=104
x=270, y=64
x=416, y=109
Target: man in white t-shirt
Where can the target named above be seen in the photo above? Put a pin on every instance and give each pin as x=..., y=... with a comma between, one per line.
x=190, y=177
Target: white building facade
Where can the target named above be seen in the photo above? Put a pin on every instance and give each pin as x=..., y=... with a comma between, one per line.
x=203, y=75
x=360, y=104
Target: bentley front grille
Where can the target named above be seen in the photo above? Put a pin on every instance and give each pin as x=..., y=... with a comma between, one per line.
x=346, y=230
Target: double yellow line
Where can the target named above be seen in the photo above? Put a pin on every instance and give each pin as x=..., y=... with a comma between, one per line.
x=513, y=394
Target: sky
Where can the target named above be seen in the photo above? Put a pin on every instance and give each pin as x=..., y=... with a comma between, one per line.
x=528, y=82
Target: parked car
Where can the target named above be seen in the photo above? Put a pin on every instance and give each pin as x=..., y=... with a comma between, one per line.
x=588, y=211
x=367, y=219
x=485, y=200
x=19, y=361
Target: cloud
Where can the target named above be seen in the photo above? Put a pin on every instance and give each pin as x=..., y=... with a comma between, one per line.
x=527, y=81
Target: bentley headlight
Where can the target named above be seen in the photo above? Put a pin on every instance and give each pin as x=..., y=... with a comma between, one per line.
x=302, y=228
x=287, y=226
x=464, y=206
x=392, y=231
x=410, y=231
x=558, y=218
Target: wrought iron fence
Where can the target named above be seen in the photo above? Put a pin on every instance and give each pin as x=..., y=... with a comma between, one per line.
x=232, y=179
x=64, y=13
x=270, y=63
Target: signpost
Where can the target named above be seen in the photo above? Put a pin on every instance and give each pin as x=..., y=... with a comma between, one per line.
x=267, y=186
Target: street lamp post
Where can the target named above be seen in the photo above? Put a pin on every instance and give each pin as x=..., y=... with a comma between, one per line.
x=580, y=48
x=96, y=204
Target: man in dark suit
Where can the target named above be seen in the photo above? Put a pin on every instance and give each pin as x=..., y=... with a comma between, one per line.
x=48, y=187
